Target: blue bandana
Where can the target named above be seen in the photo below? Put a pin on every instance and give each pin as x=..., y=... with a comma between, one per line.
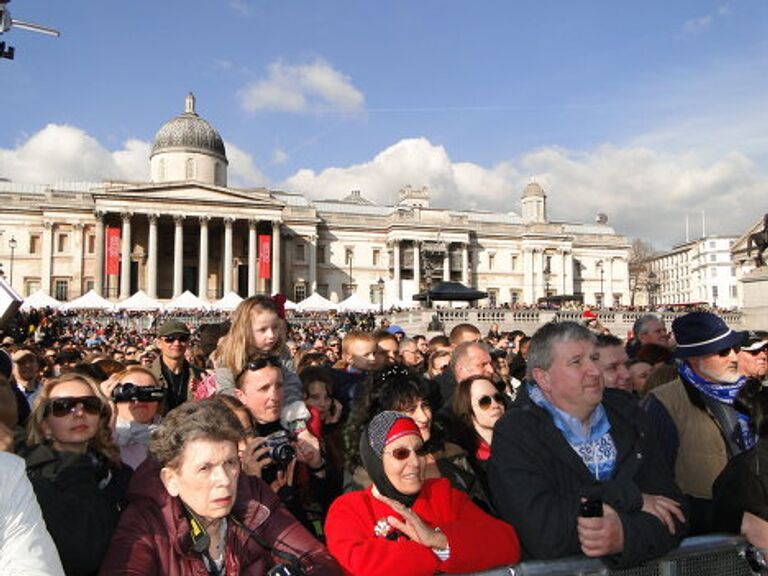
x=595, y=448
x=723, y=393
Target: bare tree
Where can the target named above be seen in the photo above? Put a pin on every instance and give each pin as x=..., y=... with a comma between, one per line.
x=639, y=254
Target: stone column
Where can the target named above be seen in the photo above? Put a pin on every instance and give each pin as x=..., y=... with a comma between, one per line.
x=228, y=255
x=312, y=247
x=152, y=256
x=47, y=256
x=465, y=264
x=275, y=257
x=98, y=269
x=396, y=268
x=252, y=248
x=447, y=262
x=417, y=266
x=608, y=298
x=528, y=274
x=125, y=257
x=77, y=258
x=202, y=264
x=178, y=255
x=569, y=273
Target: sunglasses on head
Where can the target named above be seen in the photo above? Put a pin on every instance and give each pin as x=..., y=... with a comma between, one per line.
x=60, y=407
x=404, y=453
x=183, y=338
x=260, y=363
x=484, y=402
x=727, y=351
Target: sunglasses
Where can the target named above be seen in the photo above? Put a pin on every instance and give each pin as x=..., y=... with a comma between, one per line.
x=727, y=351
x=755, y=352
x=404, y=453
x=484, y=402
x=182, y=338
x=60, y=407
x=260, y=363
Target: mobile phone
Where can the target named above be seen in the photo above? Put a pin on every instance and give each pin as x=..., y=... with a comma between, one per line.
x=591, y=508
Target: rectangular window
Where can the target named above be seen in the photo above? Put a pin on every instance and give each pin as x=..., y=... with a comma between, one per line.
x=31, y=285
x=61, y=290
x=35, y=242
x=491, y=261
x=298, y=252
x=322, y=289
x=88, y=284
x=376, y=257
x=321, y=253
x=714, y=292
x=514, y=262
x=349, y=255
x=493, y=297
x=514, y=297
x=91, y=244
x=62, y=243
x=299, y=292
x=734, y=291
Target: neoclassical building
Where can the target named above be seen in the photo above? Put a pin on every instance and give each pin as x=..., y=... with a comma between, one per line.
x=187, y=230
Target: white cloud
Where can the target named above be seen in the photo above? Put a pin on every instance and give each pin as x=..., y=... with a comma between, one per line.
x=242, y=171
x=314, y=87
x=645, y=193
x=697, y=25
x=65, y=153
x=280, y=156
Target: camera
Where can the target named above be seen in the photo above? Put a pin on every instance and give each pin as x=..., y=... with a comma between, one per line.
x=128, y=392
x=280, y=449
x=591, y=508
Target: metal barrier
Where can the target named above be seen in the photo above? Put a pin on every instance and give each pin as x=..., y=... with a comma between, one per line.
x=712, y=555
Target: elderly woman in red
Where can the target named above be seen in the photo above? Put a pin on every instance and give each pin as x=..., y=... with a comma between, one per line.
x=404, y=524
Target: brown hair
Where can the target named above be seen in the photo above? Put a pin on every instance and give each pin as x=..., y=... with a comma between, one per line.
x=136, y=369
x=462, y=399
x=101, y=443
x=354, y=336
x=235, y=349
x=208, y=419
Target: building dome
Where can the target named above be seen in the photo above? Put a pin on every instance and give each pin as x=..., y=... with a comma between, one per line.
x=189, y=132
x=533, y=189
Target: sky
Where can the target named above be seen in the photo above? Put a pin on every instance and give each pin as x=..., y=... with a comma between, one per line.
x=651, y=112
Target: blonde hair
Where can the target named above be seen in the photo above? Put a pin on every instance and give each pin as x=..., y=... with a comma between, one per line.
x=236, y=347
x=136, y=369
x=355, y=336
x=101, y=443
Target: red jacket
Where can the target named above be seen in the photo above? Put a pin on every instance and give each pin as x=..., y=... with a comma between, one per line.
x=152, y=538
x=477, y=541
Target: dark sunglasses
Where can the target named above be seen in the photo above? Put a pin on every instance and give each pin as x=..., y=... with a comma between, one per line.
x=755, y=352
x=404, y=453
x=727, y=351
x=60, y=407
x=484, y=402
x=260, y=363
x=183, y=338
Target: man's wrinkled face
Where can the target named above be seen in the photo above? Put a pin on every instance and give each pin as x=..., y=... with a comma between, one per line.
x=754, y=363
x=655, y=333
x=722, y=366
x=477, y=362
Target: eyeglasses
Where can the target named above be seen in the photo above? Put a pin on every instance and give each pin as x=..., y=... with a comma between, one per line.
x=260, y=363
x=181, y=338
x=484, y=402
x=404, y=453
x=60, y=407
x=727, y=351
x=755, y=352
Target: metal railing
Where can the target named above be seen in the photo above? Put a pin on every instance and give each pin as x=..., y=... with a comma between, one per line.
x=712, y=555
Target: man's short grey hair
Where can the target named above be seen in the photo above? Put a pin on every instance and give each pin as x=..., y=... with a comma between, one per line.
x=641, y=324
x=540, y=353
x=461, y=352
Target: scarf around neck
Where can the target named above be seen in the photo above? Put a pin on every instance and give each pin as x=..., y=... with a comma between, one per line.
x=725, y=394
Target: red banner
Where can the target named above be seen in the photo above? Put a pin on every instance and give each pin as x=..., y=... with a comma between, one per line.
x=265, y=260
x=113, y=251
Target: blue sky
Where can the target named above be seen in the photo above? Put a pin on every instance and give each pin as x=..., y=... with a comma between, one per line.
x=646, y=111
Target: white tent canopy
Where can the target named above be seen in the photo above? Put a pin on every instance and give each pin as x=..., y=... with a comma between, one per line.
x=290, y=305
x=229, y=302
x=187, y=301
x=139, y=301
x=356, y=303
x=39, y=300
x=316, y=303
x=88, y=301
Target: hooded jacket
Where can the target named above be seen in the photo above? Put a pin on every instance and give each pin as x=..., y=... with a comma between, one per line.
x=153, y=537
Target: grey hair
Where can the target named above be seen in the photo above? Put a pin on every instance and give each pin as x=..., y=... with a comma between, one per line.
x=461, y=352
x=543, y=341
x=641, y=324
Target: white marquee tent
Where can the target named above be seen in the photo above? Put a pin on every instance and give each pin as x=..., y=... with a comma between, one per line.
x=88, y=301
x=228, y=303
x=139, y=301
x=356, y=303
x=187, y=301
x=39, y=300
x=316, y=303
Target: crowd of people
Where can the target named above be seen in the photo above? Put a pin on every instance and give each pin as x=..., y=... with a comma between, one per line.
x=260, y=446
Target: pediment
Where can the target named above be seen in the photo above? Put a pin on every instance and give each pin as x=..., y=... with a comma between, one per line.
x=185, y=193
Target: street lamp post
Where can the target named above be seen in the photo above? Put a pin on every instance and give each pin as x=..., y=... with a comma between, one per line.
x=599, y=266
x=12, y=243
x=381, y=295
x=653, y=285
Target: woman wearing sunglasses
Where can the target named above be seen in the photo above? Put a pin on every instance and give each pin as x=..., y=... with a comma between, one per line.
x=75, y=469
x=407, y=524
x=478, y=403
